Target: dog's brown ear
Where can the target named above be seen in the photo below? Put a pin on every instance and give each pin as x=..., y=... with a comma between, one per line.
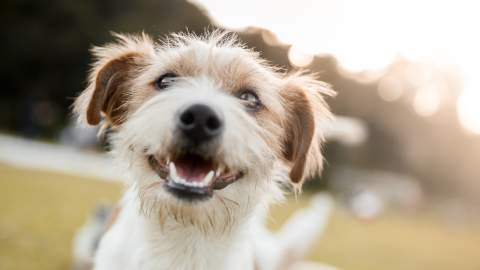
x=108, y=93
x=305, y=108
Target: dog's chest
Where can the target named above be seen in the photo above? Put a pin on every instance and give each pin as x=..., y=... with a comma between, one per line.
x=134, y=244
x=196, y=256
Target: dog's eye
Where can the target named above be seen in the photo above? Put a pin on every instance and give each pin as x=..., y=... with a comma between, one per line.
x=165, y=80
x=250, y=99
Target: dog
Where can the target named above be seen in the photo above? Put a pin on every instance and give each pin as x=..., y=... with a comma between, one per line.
x=209, y=135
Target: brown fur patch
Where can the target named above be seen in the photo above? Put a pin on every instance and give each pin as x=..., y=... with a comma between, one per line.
x=300, y=131
x=110, y=95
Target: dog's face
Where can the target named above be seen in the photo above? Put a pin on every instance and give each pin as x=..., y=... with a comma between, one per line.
x=204, y=126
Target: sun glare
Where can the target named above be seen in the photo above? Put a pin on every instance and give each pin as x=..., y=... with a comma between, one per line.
x=299, y=57
x=390, y=88
x=469, y=110
x=368, y=35
x=426, y=101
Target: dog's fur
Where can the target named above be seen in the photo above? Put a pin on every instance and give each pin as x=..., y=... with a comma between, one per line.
x=276, y=146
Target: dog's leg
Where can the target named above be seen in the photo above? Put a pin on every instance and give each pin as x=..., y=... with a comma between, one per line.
x=301, y=231
x=86, y=240
x=281, y=250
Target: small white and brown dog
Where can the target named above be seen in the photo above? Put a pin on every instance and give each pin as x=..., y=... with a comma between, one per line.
x=209, y=134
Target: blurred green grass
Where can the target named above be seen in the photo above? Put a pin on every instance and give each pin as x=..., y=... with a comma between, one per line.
x=40, y=211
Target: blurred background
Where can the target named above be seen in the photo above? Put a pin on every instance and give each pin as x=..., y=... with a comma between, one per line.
x=406, y=179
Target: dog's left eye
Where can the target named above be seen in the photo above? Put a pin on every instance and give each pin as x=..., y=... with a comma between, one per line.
x=165, y=80
x=251, y=99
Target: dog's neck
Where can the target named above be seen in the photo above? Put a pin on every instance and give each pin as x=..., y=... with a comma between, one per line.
x=169, y=242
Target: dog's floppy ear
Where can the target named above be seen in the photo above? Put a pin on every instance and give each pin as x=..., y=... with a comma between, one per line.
x=107, y=92
x=305, y=108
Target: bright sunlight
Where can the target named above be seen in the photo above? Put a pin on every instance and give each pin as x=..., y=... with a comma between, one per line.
x=363, y=38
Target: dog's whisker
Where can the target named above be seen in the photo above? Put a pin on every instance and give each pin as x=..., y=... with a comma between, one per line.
x=230, y=200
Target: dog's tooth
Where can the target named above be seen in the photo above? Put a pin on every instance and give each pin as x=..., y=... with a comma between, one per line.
x=173, y=170
x=208, y=178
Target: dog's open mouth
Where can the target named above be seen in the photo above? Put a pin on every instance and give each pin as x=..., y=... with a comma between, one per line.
x=191, y=176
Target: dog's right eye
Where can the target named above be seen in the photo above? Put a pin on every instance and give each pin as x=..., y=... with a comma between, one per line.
x=165, y=80
x=251, y=99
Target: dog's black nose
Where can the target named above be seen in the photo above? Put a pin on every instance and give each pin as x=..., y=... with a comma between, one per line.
x=199, y=123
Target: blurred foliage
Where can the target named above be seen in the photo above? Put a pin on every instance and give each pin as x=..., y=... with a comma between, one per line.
x=45, y=51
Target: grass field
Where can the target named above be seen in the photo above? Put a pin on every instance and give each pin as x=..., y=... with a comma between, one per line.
x=40, y=211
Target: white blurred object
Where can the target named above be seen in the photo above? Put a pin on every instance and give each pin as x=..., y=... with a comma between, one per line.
x=25, y=153
x=346, y=130
x=367, y=193
x=367, y=205
x=289, y=245
x=88, y=237
x=82, y=137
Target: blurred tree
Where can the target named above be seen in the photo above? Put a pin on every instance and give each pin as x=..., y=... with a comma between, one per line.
x=45, y=51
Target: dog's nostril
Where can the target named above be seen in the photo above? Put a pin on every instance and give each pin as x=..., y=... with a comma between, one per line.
x=187, y=118
x=213, y=123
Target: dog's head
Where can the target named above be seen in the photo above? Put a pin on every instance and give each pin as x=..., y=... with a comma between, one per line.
x=203, y=122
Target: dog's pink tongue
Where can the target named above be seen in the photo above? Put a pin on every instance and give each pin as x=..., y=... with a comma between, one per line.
x=193, y=168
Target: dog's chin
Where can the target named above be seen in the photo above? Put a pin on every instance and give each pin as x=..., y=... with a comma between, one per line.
x=192, y=177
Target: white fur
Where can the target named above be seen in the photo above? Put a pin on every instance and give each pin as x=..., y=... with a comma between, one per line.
x=137, y=242
x=146, y=236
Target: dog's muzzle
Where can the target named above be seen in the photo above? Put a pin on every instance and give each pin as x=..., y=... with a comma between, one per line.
x=192, y=170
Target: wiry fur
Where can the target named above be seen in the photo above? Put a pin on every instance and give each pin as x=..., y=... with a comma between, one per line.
x=155, y=230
